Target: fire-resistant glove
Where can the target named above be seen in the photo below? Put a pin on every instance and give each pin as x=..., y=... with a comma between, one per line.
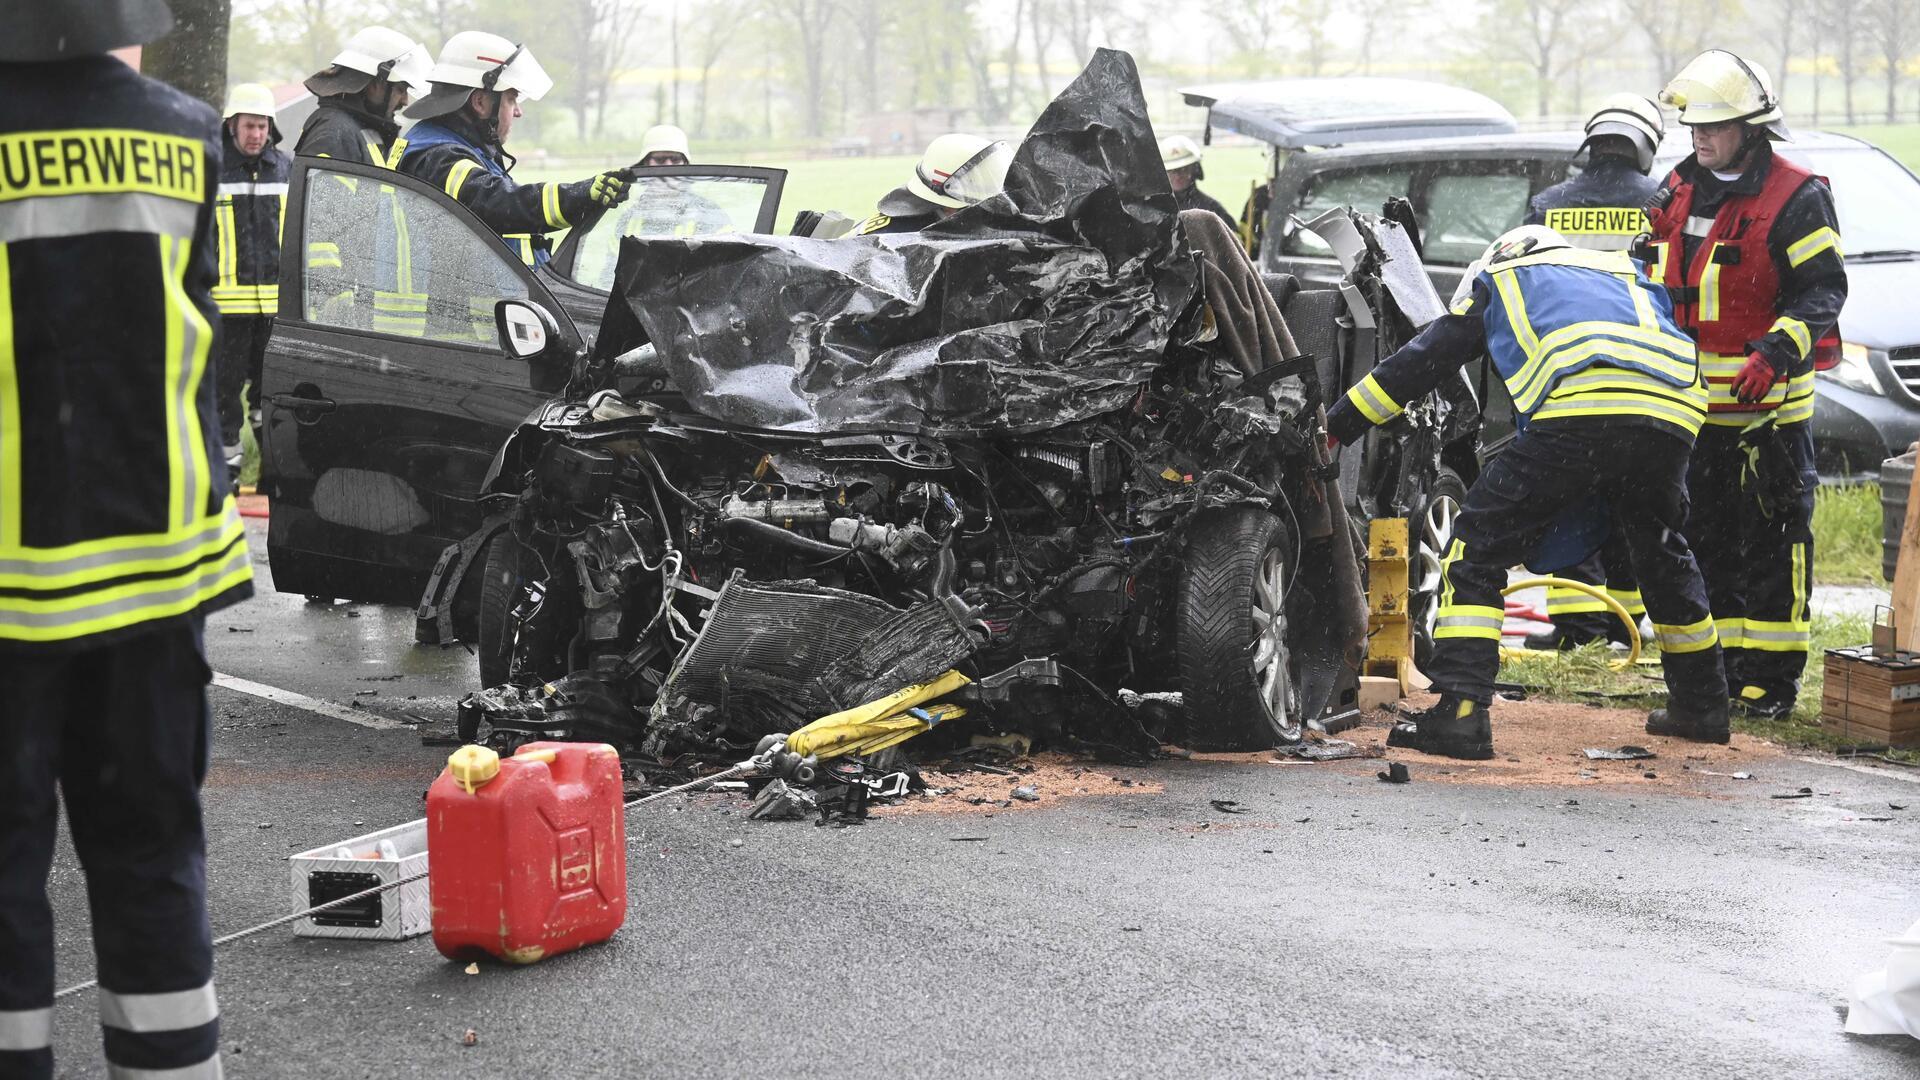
x=1755, y=379
x=606, y=189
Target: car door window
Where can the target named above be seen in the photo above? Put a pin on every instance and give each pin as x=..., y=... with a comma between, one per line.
x=1463, y=213
x=667, y=206
x=386, y=259
x=1363, y=189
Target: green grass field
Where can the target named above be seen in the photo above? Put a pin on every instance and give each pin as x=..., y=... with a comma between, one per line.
x=1846, y=535
x=1900, y=140
x=1586, y=675
x=853, y=185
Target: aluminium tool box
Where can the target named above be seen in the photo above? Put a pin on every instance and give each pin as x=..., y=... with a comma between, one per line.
x=341, y=869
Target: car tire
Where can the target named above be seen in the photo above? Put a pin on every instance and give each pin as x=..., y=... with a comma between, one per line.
x=1237, y=674
x=499, y=592
x=1432, y=533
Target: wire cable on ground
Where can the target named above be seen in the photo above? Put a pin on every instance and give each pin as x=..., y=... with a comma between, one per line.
x=742, y=769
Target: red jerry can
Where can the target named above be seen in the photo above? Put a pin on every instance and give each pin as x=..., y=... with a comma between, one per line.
x=527, y=856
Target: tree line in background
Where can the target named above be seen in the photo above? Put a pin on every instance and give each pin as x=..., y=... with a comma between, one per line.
x=742, y=70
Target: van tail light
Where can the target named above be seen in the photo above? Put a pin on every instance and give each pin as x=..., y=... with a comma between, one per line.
x=1826, y=353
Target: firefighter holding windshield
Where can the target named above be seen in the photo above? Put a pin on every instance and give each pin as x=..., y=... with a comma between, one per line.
x=118, y=533
x=459, y=144
x=358, y=94
x=1608, y=395
x=957, y=171
x=1748, y=245
x=1602, y=208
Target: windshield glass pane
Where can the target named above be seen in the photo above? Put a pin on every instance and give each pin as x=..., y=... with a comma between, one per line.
x=1466, y=213
x=1363, y=189
x=1875, y=196
x=667, y=206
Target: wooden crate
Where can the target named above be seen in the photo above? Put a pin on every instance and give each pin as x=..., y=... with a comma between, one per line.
x=1872, y=697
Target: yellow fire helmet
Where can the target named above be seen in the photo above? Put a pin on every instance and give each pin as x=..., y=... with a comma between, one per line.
x=252, y=99
x=1718, y=86
x=1178, y=152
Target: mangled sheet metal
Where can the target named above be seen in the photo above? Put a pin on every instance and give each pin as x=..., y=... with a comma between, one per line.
x=775, y=656
x=1048, y=304
x=1383, y=248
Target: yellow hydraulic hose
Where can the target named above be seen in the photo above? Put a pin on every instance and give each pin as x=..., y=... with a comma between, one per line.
x=1620, y=612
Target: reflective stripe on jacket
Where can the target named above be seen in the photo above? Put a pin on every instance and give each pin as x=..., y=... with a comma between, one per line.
x=115, y=508
x=340, y=130
x=443, y=153
x=1758, y=270
x=1574, y=332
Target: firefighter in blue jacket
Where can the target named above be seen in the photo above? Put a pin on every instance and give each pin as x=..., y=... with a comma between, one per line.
x=1602, y=208
x=459, y=145
x=248, y=213
x=117, y=530
x=1610, y=399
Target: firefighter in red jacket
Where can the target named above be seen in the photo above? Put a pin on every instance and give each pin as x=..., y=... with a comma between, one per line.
x=1748, y=245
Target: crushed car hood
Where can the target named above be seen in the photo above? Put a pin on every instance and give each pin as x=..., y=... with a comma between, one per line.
x=1046, y=305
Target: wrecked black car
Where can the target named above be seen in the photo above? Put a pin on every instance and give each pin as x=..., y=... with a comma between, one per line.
x=1053, y=448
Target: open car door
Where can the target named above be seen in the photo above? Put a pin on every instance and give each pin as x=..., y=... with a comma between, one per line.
x=671, y=200
x=385, y=391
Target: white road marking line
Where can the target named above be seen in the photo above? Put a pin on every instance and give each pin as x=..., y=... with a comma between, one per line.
x=1891, y=773
x=312, y=705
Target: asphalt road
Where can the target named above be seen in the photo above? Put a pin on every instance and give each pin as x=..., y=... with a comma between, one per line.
x=1343, y=927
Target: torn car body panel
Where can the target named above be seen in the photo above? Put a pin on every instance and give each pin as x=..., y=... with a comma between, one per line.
x=1049, y=304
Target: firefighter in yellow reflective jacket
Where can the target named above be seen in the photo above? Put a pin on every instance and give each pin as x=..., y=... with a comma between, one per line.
x=248, y=215
x=117, y=529
x=1609, y=399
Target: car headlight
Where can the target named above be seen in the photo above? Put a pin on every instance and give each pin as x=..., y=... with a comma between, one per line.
x=1855, y=371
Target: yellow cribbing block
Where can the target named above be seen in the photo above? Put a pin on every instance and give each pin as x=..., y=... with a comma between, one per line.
x=866, y=729
x=1389, y=634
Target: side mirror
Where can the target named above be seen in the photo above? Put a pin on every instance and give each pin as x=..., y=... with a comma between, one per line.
x=529, y=332
x=526, y=329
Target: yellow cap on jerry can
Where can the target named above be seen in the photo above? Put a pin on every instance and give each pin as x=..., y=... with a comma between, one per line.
x=472, y=766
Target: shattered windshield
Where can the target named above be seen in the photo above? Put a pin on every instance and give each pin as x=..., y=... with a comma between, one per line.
x=667, y=206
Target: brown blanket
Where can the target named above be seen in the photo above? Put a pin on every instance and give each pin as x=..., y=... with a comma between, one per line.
x=1252, y=330
x=1254, y=334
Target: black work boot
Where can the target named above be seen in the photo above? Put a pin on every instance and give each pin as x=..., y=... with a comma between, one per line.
x=1455, y=728
x=1760, y=703
x=1550, y=641
x=1695, y=725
